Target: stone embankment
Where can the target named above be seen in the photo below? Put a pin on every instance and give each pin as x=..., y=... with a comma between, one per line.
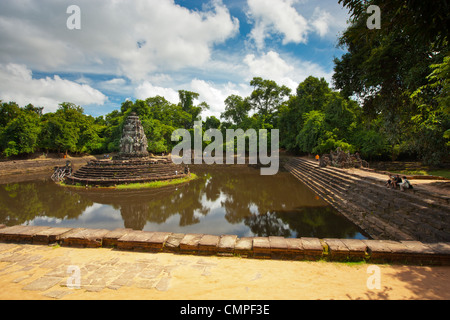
x=373, y=251
x=385, y=214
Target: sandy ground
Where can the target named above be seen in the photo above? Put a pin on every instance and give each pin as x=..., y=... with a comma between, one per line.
x=436, y=186
x=185, y=277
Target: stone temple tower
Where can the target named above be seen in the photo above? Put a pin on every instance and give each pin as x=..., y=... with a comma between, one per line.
x=134, y=143
x=133, y=164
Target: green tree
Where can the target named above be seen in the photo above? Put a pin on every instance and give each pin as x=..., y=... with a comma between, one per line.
x=187, y=99
x=413, y=37
x=211, y=123
x=20, y=136
x=236, y=109
x=312, y=131
x=8, y=112
x=68, y=129
x=267, y=98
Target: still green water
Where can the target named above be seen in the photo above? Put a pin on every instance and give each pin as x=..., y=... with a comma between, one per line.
x=223, y=200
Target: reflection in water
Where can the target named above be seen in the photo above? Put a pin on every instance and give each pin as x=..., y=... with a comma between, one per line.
x=223, y=200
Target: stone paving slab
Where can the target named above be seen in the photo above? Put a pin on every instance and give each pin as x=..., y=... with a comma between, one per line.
x=43, y=283
x=273, y=247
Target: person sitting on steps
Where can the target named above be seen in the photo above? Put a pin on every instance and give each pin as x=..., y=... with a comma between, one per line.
x=388, y=183
x=396, y=182
x=405, y=184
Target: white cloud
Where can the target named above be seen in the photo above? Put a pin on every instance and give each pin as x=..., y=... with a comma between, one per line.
x=215, y=95
x=147, y=90
x=277, y=16
x=116, y=37
x=288, y=72
x=17, y=84
x=294, y=20
x=320, y=21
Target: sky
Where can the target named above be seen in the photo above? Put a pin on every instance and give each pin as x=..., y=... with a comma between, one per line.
x=135, y=49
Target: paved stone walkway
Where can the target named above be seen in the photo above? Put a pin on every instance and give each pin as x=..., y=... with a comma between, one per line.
x=50, y=272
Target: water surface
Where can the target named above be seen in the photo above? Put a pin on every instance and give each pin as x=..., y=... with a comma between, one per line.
x=223, y=200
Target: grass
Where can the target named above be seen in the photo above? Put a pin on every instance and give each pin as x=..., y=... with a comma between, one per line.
x=156, y=184
x=136, y=186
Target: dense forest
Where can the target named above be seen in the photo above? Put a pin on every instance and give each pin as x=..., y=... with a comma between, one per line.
x=389, y=100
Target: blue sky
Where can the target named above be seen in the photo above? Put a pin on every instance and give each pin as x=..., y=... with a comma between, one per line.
x=134, y=49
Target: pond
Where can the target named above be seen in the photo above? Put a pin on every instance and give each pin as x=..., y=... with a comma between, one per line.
x=223, y=200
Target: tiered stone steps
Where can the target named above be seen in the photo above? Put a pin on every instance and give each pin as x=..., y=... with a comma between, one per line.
x=383, y=213
x=105, y=173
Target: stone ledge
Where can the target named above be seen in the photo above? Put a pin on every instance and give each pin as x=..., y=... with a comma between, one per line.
x=374, y=251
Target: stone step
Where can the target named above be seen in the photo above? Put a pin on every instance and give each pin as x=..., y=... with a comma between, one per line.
x=376, y=228
x=342, y=205
x=363, y=193
x=378, y=188
x=122, y=181
x=122, y=176
x=435, y=199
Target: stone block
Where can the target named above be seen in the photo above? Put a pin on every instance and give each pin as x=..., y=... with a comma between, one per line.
x=387, y=251
x=357, y=249
x=157, y=240
x=84, y=238
x=208, y=244
x=110, y=239
x=20, y=234
x=441, y=252
x=295, y=249
x=261, y=248
x=135, y=240
x=226, y=245
x=7, y=234
x=244, y=247
x=278, y=244
x=172, y=243
x=50, y=235
x=337, y=250
x=376, y=248
x=278, y=247
x=420, y=253
x=189, y=243
x=313, y=248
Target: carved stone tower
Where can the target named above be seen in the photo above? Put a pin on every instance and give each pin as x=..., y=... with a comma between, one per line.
x=134, y=143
